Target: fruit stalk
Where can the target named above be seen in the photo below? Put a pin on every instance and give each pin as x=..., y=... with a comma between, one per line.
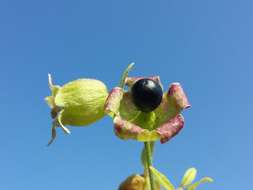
x=148, y=153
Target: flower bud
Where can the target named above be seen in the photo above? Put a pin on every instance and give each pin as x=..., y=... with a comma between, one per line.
x=138, y=182
x=133, y=182
x=77, y=103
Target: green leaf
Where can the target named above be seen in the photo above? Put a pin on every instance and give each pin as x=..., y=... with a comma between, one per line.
x=188, y=177
x=162, y=179
x=196, y=184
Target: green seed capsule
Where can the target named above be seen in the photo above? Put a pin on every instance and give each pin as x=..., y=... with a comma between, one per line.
x=77, y=103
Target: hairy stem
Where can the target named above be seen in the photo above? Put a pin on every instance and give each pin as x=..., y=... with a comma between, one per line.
x=148, y=152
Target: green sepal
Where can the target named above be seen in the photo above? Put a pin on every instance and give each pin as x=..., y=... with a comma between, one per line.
x=127, y=109
x=148, y=136
x=125, y=74
x=113, y=101
x=53, y=134
x=57, y=123
x=145, y=120
x=50, y=101
x=162, y=179
x=196, y=184
x=188, y=177
x=128, y=130
x=54, y=90
x=173, y=102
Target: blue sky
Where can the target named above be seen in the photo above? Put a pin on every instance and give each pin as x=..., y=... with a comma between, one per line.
x=204, y=45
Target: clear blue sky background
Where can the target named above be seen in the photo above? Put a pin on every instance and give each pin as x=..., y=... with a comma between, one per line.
x=205, y=45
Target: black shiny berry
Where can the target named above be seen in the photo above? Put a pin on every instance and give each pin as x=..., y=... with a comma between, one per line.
x=146, y=94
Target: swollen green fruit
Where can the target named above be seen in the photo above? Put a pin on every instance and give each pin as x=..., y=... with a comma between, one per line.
x=77, y=103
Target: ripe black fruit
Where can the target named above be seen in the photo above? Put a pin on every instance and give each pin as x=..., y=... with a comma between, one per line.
x=146, y=94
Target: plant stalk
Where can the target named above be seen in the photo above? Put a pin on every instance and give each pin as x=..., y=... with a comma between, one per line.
x=148, y=152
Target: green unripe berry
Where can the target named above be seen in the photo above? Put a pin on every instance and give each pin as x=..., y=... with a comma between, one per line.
x=77, y=103
x=82, y=101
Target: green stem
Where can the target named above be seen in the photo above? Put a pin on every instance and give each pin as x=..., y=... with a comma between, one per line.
x=148, y=153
